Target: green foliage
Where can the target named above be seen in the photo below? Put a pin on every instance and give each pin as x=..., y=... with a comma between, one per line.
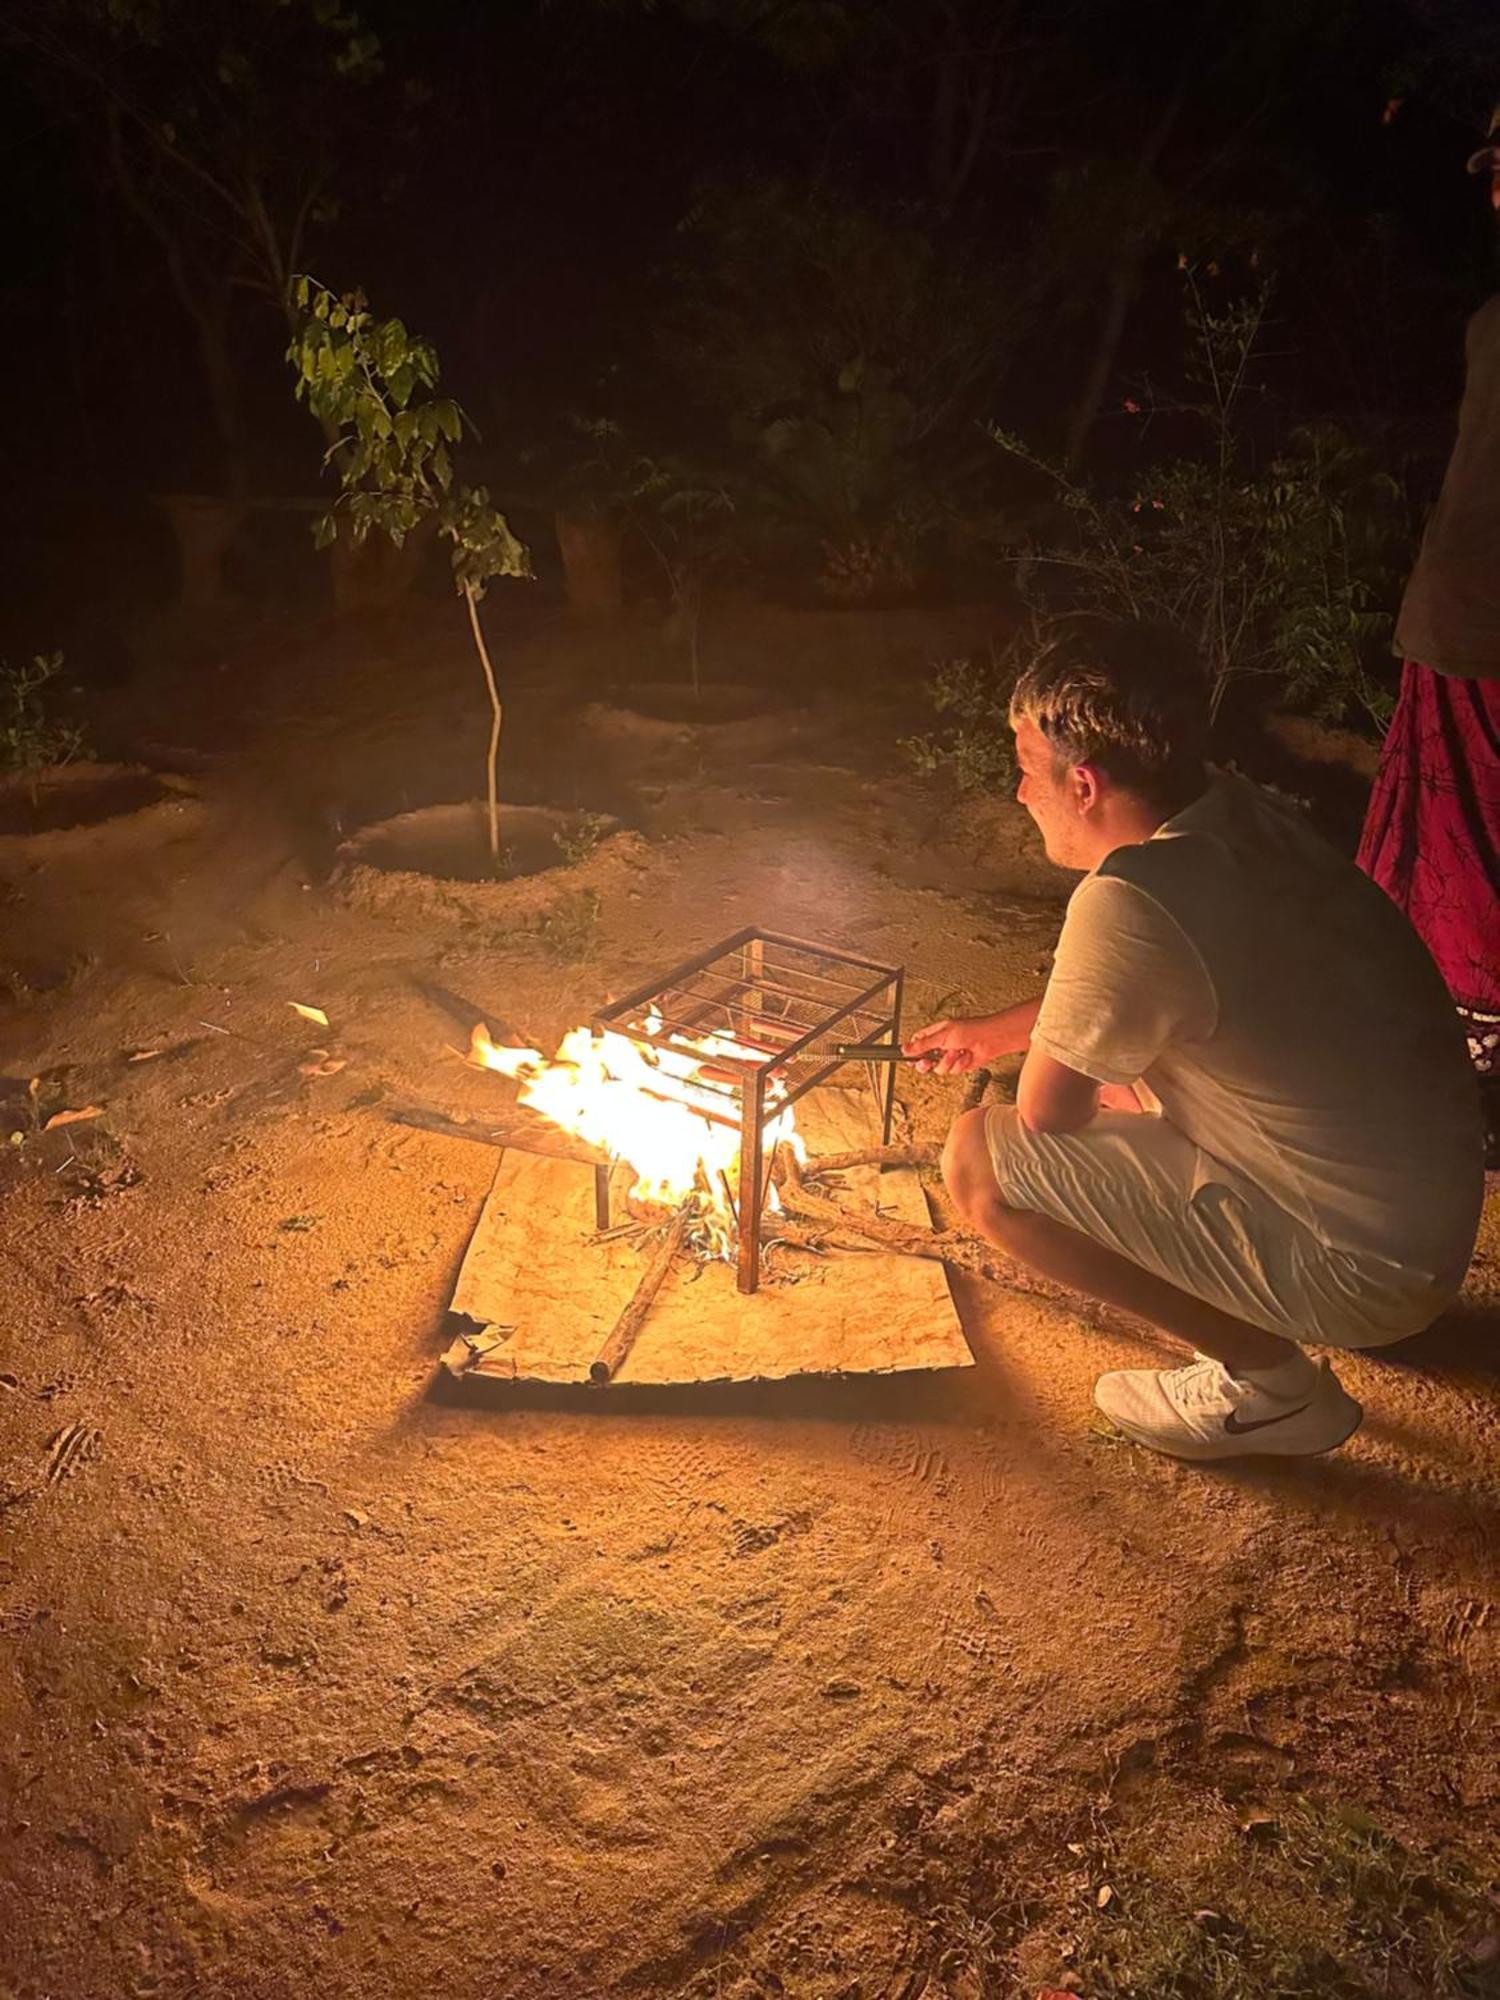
x=236, y=46
x=577, y=842
x=682, y=511
x=30, y=737
x=685, y=514
x=1325, y=1906
x=226, y=130
x=845, y=356
x=570, y=928
x=224, y=123
x=373, y=385
x=974, y=747
x=586, y=463
x=689, y=522
x=1280, y=563
x=676, y=505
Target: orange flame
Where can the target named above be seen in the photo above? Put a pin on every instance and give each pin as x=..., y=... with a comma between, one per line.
x=645, y=1105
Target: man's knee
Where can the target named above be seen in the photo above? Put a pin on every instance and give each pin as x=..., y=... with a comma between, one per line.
x=968, y=1171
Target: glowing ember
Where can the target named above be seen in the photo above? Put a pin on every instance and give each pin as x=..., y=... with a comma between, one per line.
x=646, y=1106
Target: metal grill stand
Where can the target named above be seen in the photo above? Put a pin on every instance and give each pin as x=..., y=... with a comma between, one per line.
x=782, y=1001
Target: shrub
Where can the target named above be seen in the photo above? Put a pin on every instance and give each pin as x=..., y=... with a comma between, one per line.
x=973, y=747
x=845, y=354
x=29, y=736
x=1277, y=562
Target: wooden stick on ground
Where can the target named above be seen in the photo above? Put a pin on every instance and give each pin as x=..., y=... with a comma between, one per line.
x=873, y=1156
x=967, y=1252
x=949, y=1246
x=628, y=1325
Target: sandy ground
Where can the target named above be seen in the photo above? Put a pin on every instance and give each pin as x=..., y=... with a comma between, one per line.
x=314, y=1682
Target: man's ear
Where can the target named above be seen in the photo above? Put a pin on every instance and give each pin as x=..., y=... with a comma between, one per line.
x=1087, y=786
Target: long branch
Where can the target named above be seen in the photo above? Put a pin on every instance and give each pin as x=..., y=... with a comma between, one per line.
x=622, y=1334
x=925, y=1155
x=808, y=1221
x=950, y=1246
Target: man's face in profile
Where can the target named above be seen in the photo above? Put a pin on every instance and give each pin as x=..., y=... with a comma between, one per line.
x=1050, y=792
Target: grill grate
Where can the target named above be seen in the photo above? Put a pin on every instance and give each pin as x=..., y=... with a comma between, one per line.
x=775, y=1007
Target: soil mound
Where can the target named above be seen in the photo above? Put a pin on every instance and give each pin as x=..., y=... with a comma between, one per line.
x=438, y=860
x=707, y=707
x=654, y=720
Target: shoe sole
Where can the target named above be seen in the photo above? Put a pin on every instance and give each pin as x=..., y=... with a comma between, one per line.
x=1210, y=1454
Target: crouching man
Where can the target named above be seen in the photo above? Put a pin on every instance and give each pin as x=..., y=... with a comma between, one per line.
x=1245, y=1113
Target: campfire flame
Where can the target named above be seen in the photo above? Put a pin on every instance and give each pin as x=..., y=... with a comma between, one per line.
x=647, y=1106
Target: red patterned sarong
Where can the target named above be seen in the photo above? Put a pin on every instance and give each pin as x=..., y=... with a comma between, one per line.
x=1432, y=837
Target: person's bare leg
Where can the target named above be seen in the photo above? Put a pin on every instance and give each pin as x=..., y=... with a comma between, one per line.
x=1073, y=1259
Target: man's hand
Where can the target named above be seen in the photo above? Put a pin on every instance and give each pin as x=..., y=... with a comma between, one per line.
x=953, y=1047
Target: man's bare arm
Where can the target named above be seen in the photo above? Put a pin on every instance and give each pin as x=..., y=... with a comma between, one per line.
x=1053, y=1098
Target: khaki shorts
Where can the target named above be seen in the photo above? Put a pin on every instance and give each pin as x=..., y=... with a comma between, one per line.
x=1139, y=1186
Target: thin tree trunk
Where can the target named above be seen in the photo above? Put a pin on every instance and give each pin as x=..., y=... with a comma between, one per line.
x=496, y=718
x=963, y=97
x=1085, y=413
x=205, y=300
x=1125, y=276
x=212, y=322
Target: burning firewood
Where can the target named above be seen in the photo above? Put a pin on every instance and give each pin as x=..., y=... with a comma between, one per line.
x=628, y=1325
x=692, y=1078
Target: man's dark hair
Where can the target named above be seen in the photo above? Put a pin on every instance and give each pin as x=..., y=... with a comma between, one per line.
x=1131, y=698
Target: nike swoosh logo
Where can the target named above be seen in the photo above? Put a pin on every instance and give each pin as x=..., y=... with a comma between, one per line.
x=1235, y=1428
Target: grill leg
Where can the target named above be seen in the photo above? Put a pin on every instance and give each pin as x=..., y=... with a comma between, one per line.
x=752, y=971
x=601, y=1198
x=889, y=1107
x=752, y=1192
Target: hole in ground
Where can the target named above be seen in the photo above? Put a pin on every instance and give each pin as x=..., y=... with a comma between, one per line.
x=59, y=799
x=452, y=842
x=674, y=701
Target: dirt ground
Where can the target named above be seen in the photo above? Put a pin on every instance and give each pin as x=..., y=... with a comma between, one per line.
x=313, y=1681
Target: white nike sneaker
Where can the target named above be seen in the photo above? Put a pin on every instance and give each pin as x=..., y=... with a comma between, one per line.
x=1203, y=1411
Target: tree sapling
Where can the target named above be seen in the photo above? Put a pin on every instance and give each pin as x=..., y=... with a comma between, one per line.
x=372, y=385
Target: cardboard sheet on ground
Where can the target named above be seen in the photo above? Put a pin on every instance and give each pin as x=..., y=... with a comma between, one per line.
x=534, y=1268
